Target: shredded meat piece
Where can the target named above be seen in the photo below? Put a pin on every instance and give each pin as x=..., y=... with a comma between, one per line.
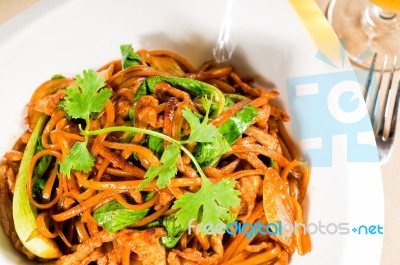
x=123, y=107
x=283, y=258
x=13, y=155
x=186, y=170
x=165, y=91
x=217, y=246
x=66, y=203
x=107, y=73
x=263, y=117
x=248, y=190
x=86, y=248
x=253, y=160
x=192, y=256
x=263, y=137
x=213, y=172
x=95, y=255
x=25, y=137
x=10, y=176
x=169, y=116
x=165, y=198
x=175, y=259
x=112, y=258
x=145, y=243
x=47, y=104
x=145, y=111
x=136, y=195
x=124, y=103
x=6, y=203
x=195, y=256
x=279, y=114
x=258, y=247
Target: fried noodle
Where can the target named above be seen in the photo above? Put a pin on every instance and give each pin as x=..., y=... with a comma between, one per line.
x=264, y=162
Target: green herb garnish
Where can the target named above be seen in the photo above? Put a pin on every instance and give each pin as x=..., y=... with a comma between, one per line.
x=83, y=99
x=212, y=203
x=113, y=216
x=129, y=57
x=216, y=199
x=166, y=171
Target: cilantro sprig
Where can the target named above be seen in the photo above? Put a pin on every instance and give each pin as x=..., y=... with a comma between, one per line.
x=82, y=100
x=200, y=132
x=212, y=203
x=166, y=171
x=129, y=57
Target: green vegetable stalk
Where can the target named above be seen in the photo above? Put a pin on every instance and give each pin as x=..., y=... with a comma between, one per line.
x=113, y=216
x=23, y=213
x=209, y=153
x=44, y=162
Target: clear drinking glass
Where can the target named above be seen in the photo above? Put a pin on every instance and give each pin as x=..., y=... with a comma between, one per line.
x=367, y=27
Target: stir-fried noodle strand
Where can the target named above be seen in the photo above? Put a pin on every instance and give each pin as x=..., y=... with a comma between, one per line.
x=262, y=160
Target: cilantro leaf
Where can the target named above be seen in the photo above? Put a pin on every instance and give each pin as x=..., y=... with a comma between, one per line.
x=151, y=174
x=129, y=57
x=90, y=82
x=210, y=205
x=155, y=144
x=79, y=158
x=200, y=132
x=210, y=153
x=174, y=231
x=231, y=130
x=113, y=216
x=169, y=168
x=166, y=171
x=213, y=144
x=85, y=98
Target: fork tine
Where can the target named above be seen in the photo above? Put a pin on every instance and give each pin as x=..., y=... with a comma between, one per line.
x=393, y=121
x=374, y=98
x=369, y=79
x=385, y=132
x=384, y=114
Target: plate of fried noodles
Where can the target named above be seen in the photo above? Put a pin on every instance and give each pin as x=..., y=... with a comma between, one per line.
x=124, y=142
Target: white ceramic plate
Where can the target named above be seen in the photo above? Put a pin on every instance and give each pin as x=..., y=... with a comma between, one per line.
x=329, y=121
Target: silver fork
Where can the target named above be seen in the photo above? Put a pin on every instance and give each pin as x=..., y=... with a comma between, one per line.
x=380, y=116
